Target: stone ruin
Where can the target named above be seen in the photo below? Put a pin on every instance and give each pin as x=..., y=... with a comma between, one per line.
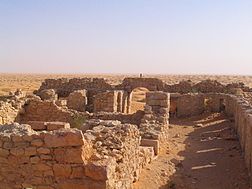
x=79, y=133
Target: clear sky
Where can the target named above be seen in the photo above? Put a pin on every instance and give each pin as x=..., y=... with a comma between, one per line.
x=131, y=36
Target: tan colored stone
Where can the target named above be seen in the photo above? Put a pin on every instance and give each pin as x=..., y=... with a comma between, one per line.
x=43, y=150
x=34, y=159
x=48, y=173
x=27, y=138
x=151, y=143
x=59, y=154
x=101, y=170
x=63, y=138
x=42, y=167
x=17, y=138
x=45, y=157
x=30, y=151
x=37, y=125
x=17, y=151
x=62, y=170
x=8, y=145
x=37, y=142
x=4, y=152
x=77, y=172
x=74, y=155
x=51, y=126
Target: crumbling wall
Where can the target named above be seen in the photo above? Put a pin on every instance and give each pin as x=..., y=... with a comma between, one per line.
x=124, y=118
x=242, y=112
x=38, y=110
x=11, y=107
x=215, y=102
x=77, y=100
x=32, y=159
x=48, y=94
x=154, y=124
x=8, y=113
x=106, y=157
x=65, y=86
x=190, y=105
x=152, y=84
x=109, y=101
x=48, y=111
x=47, y=126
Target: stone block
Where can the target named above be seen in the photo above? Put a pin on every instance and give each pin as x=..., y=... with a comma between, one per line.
x=62, y=170
x=51, y=126
x=37, y=125
x=151, y=143
x=101, y=170
x=64, y=138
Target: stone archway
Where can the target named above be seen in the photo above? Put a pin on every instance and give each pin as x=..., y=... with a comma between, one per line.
x=137, y=99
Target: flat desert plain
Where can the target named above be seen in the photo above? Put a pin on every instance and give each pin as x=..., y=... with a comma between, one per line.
x=31, y=82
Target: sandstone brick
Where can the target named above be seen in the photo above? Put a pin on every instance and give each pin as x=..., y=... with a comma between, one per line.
x=30, y=151
x=46, y=157
x=43, y=150
x=74, y=155
x=151, y=143
x=35, y=160
x=62, y=170
x=51, y=126
x=37, y=142
x=27, y=138
x=17, y=138
x=48, y=173
x=36, y=181
x=77, y=172
x=8, y=145
x=37, y=125
x=4, y=152
x=17, y=151
x=42, y=167
x=101, y=170
x=63, y=138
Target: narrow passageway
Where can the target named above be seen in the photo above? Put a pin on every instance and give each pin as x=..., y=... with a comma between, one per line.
x=203, y=152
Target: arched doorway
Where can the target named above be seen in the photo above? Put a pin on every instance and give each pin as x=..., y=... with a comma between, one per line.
x=138, y=99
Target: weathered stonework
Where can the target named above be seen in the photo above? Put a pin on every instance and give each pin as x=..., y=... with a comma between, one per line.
x=111, y=145
x=77, y=100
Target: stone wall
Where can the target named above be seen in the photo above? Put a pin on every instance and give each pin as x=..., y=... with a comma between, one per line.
x=109, y=101
x=8, y=113
x=11, y=107
x=155, y=122
x=64, y=86
x=190, y=105
x=50, y=160
x=48, y=111
x=38, y=110
x=77, y=100
x=122, y=117
x=241, y=111
x=47, y=126
x=105, y=157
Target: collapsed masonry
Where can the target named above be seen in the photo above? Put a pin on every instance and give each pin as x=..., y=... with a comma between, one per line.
x=79, y=133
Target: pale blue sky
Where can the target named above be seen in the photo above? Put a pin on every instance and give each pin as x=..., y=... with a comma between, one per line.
x=132, y=36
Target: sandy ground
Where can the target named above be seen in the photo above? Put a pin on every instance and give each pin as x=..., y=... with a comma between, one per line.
x=202, y=153
x=30, y=82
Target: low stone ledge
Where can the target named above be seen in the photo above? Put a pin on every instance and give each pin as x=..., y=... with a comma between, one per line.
x=151, y=143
